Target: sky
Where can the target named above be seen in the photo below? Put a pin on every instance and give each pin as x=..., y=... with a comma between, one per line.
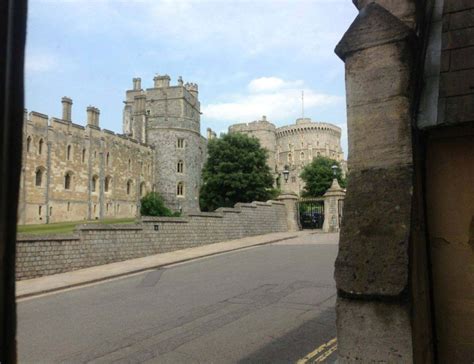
x=249, y=58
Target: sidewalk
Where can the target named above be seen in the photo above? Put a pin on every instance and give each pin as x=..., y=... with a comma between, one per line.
x=56, y=282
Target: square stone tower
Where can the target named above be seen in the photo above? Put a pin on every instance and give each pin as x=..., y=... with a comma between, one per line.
x=168, y=118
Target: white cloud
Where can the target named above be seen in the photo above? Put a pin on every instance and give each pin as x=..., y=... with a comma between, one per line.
x=38, y=62
x=271, y=96
x=263, y=84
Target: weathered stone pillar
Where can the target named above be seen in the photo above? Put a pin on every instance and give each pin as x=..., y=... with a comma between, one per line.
x=372, y=267
x=290, y=199
x=332, y=215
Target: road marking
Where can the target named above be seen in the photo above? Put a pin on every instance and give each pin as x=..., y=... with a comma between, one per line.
x=325, y=350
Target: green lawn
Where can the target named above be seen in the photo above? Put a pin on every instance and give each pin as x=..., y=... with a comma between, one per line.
x=66, y=227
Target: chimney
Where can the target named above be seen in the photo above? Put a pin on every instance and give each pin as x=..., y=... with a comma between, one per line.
x=137, y=83
x=180, y=81
x=93, y=116
x=162, y=81
x=264, y=118
x=67, y=106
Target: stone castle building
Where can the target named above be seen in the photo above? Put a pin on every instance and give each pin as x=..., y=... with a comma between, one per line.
x=294, y=146
x=71, y=172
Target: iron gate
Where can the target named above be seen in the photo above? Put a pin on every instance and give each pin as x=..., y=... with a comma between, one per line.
x=311, y=213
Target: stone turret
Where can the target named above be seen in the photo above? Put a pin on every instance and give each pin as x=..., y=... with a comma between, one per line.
x=192, y=88
x=162, y=81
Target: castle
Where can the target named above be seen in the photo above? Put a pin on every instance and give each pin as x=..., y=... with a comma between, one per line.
x=71, y=172
x=294, y=146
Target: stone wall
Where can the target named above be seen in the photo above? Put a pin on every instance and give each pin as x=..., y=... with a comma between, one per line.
x=108, y=172
x=97, y=244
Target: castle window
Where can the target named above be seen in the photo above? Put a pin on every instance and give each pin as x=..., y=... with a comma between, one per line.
x=142, y=189
x=83, y=155
x=40, y=146
x=180, y=143
x=28, y=144
x=302, y=156
x=180, y=167
x=107, y=159
x=290, y=157
x=129, y=164
x=180, y=189
x=107, y=183
x=51, y=211
x=39, y=177
x=68, y=153
x=39, y=210
x=94, y=183
x=67, y=181
x=129, y=187
x=68, y=206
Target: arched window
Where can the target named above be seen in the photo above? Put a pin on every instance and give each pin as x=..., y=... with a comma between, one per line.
x=129, y=186
x=83, y=155
x=180, y=189
x=180, y=167
x=94, y=183
x=107, y=183
x=68, y=153
x=142, y=189
x=28, y=144
x=39, y=176
x=67, y=181
x=40, y=146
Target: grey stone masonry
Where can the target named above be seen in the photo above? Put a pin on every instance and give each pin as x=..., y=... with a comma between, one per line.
x=97, y=244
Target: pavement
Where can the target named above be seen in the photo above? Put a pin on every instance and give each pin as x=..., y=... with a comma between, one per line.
x=56, y=282
x=266, y=303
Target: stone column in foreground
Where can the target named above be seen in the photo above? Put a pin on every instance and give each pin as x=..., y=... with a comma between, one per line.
x=372, y=267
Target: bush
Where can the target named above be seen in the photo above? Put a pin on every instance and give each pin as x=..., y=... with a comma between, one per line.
x=152, y=204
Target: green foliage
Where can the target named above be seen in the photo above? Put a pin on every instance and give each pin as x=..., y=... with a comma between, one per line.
x=236, y=171
x=152, y=204
x=318, y=176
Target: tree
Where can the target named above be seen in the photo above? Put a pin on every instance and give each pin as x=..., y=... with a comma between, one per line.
x=236, y=171
x=152, y=204
x=318, y=176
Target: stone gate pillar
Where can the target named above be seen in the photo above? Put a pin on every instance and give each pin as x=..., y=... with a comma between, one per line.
x=290, y=199
x=372, y=267
x=332, y=215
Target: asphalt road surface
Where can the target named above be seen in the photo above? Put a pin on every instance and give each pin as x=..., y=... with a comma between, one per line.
x=267, y=304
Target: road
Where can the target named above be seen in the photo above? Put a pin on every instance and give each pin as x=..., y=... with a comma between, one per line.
x=266, y=304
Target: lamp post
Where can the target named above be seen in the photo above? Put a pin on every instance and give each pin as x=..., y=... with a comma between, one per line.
x=286, y=173
x=334, y=169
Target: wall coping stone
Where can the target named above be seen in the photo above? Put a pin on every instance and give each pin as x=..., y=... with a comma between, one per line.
x=206, y=214
x=246, y=205
x=25, y=238
x=152, y=219
x=227, y=210
x=115, y=227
